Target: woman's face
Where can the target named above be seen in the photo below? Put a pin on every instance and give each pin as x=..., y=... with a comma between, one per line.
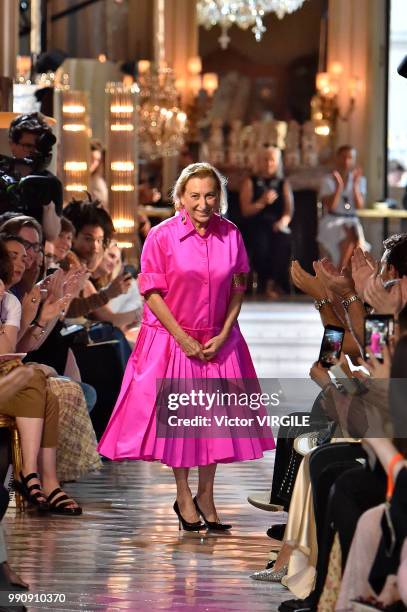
x=111, y=259
x=200, y=199
x=62, y=245
x=269, y=161
x=19, y=258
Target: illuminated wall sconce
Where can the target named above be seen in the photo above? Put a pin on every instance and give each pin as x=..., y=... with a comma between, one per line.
x=197, y=90
x=122, y=155
x=75, y=149
x=325, y=106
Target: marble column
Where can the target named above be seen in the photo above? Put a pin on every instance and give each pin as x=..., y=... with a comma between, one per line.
x=356, y=39
x=8, y=37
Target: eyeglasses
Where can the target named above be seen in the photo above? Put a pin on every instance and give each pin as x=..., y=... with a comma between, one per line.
x=34, y=246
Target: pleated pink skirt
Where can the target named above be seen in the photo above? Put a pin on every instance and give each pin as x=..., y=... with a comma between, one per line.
x=131, y=432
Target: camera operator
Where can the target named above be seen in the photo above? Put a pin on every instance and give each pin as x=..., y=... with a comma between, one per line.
x=26, y=186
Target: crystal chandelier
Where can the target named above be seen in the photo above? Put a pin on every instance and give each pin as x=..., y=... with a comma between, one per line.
x=243, y=13
x=162, y=124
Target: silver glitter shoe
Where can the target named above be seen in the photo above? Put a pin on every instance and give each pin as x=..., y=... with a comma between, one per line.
x=270, y=575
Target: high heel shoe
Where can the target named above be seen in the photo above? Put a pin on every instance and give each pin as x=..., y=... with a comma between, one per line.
x=32, y=493
x=213, y=525
x=197, y=526
x=270, y=575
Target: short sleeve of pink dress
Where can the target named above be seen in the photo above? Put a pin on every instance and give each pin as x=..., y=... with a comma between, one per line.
x=193, y=274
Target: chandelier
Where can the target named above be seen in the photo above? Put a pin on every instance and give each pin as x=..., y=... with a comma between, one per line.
x=162, y=124
x=243, y=13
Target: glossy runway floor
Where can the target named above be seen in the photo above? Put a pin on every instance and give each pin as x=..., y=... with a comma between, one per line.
x=126, y=553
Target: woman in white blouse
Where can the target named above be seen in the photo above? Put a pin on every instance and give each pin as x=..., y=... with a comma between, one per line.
x=342, y=193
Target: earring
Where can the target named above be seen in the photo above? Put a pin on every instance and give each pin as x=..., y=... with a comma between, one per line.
x=183, y=218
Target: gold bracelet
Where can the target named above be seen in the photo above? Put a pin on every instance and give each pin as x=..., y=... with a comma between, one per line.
x=239, y=280
x=319, y=303
x=346, y=303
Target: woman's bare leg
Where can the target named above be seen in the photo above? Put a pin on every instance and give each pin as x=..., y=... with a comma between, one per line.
x=184, y=497
x=205, y=491
x=30, y=430
x=48, y=468
x=283, y=557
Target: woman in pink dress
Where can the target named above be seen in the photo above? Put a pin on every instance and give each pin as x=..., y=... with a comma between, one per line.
x=194, y=268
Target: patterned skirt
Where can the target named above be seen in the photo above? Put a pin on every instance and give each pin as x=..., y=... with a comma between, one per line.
x=76, y=451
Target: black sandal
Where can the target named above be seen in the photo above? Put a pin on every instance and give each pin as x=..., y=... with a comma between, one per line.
x=61, y=503
x=33, y=493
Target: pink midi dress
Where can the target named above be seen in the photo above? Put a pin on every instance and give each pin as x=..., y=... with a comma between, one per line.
x=193, y=274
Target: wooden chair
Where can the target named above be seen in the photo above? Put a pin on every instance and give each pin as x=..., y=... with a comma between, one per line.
x=9, y=422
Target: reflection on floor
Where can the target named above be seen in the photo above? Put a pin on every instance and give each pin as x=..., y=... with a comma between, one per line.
x=126, y=553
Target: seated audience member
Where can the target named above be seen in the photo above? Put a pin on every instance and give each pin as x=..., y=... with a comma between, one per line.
x=93, y=233
x=63, y=244
x=342, y=192
x=124, y=310
x=76, y=454
x=30, y=231
x=35, y=408
x=358, y=489
x=267, y=204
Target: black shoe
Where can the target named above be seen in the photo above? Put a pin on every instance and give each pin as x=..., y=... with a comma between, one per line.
x=61, y=504
x=213, y=525
x=296, y=605
x=33, y=493
x=276, y=531
x=197, y=526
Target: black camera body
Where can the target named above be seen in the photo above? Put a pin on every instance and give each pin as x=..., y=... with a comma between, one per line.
x=27, y=194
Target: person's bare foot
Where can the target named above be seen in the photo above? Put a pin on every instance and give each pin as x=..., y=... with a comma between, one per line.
x=13, y=577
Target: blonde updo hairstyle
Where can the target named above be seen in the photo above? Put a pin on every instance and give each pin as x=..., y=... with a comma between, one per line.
x=200, y=170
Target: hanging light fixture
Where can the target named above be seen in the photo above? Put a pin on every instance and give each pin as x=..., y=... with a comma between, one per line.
x=243, y=13
x=162, y=124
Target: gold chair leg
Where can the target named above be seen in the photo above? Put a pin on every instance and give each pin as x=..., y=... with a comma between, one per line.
x=17, y=463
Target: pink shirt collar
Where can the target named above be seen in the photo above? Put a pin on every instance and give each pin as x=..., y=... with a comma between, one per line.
x=188, y=228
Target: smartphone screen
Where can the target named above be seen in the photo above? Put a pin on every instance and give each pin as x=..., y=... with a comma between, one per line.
x=331, y=345
x=378, y=328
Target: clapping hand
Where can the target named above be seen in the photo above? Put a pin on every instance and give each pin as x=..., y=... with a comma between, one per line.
x=338, y=180
x=386, y=301
x=74, y=281
x=340, y=283
x=357, y=175
x=363, y=267
x=51, y=309
x=311, y=285
x=30, y=304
